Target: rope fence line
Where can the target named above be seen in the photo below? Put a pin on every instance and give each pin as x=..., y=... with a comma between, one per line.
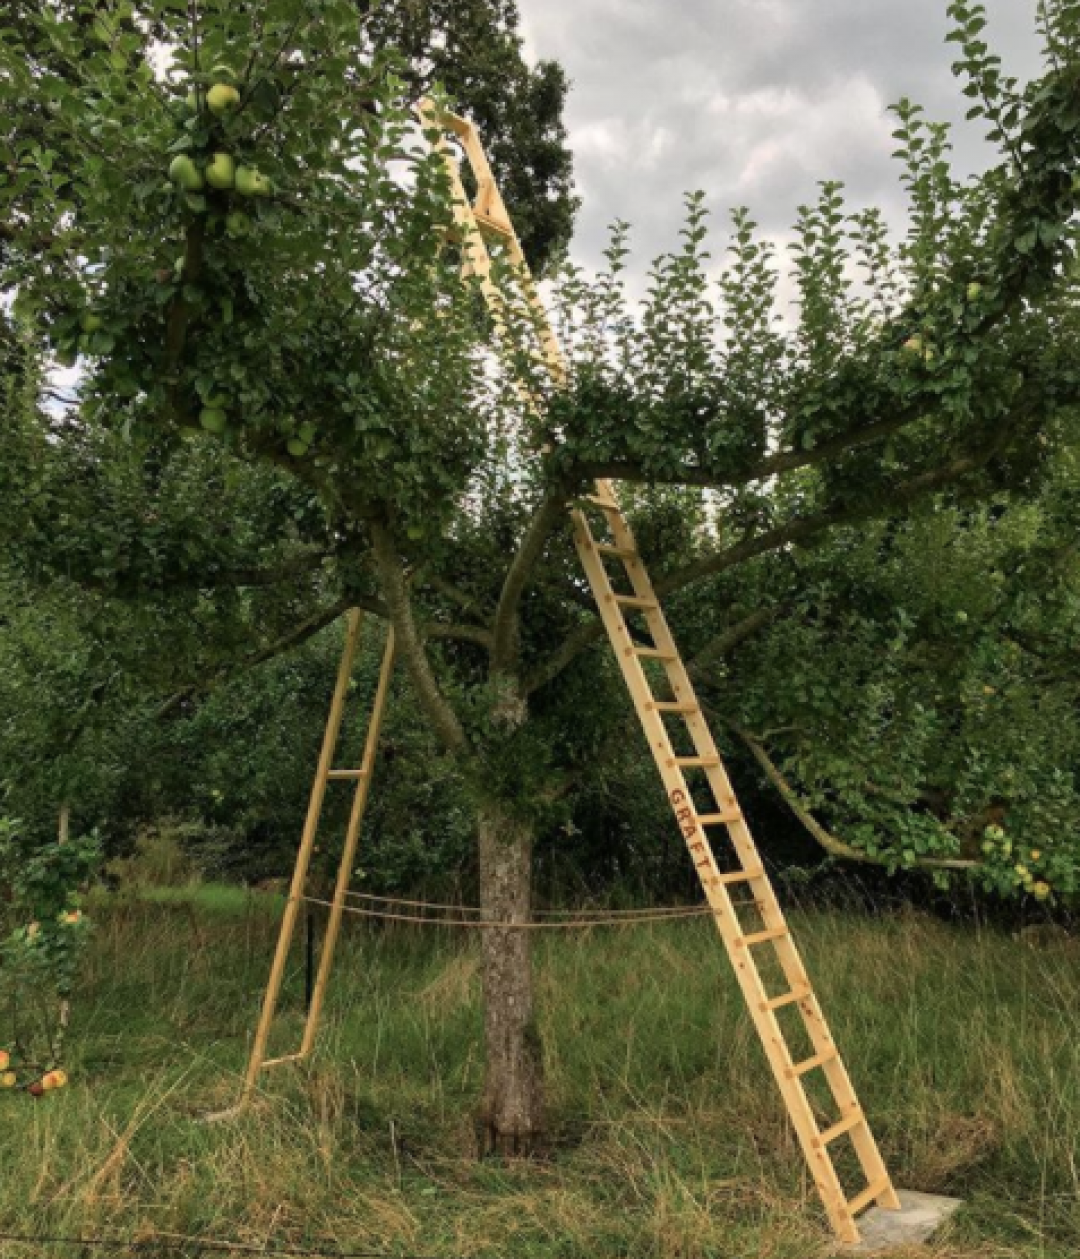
x=626, y=919
x=676, y=910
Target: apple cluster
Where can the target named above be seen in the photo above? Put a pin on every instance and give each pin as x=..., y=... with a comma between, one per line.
x=222, y=173
x=47, y=1083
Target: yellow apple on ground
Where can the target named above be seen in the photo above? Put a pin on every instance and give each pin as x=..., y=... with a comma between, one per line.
x=222, y=98
x=8, y=1080
x=221, y=171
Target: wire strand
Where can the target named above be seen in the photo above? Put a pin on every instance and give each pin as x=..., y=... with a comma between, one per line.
x=538, y=913
x=173, y=1242
x=488, y=924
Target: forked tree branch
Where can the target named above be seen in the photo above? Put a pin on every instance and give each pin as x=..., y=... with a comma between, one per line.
x=410, y=642
x=507, y=623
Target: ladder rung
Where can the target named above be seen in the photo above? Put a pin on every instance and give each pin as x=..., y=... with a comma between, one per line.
x=720, y=819
x=636, y=601
x=674, y=706
x=818, y=1060
x=840, y=1127
x=868, y=1195
x=788, y=998
x=277, y=1062
x=762, y=937
x=346, y=773
x=654, y=653
x=603, y=503
x=497, y=226
x=697, y=762
x=618, y=552
x=741, y=876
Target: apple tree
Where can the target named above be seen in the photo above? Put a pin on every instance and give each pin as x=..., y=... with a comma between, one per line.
x=250, y=262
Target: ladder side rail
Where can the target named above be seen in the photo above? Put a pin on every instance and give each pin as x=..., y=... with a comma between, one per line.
x=303, y=857
x=348, y=853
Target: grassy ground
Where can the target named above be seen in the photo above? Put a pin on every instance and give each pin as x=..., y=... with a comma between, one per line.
x=670, y=1139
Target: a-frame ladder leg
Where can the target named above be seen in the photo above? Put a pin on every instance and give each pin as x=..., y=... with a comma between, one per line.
x=303, y=857
x=348, y=855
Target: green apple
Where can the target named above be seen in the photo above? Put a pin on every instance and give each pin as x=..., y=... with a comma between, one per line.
x=296, y=447
x=974, y=291
x=913, y=345
x=251, y=182
x=237, y=223
x=221, y=171
x=184, y=172
x=90, y=322
x=212, y=419
x=928, y=355
x=222, y=98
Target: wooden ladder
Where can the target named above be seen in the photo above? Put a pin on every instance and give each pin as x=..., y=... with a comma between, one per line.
x=635, y=597
x=360, y=778
x=487, y=220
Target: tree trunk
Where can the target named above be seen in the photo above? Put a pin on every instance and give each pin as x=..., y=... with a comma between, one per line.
x=511, y=1117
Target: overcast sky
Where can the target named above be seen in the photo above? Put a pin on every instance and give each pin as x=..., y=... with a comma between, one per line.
x=753, y=101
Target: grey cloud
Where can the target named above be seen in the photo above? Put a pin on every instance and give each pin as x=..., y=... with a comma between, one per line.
x=753, y=101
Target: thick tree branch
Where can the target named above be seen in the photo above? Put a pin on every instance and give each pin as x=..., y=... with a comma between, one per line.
x=726, y=642
x=833, y=846
x=507, y=624
x=409, y=640
x=790, y=532
x=772, y=465
x=305, y=630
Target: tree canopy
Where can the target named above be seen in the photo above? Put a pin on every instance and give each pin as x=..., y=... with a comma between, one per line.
x=288, y=404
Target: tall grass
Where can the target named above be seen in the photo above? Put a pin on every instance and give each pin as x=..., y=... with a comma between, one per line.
x=668, y=1137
